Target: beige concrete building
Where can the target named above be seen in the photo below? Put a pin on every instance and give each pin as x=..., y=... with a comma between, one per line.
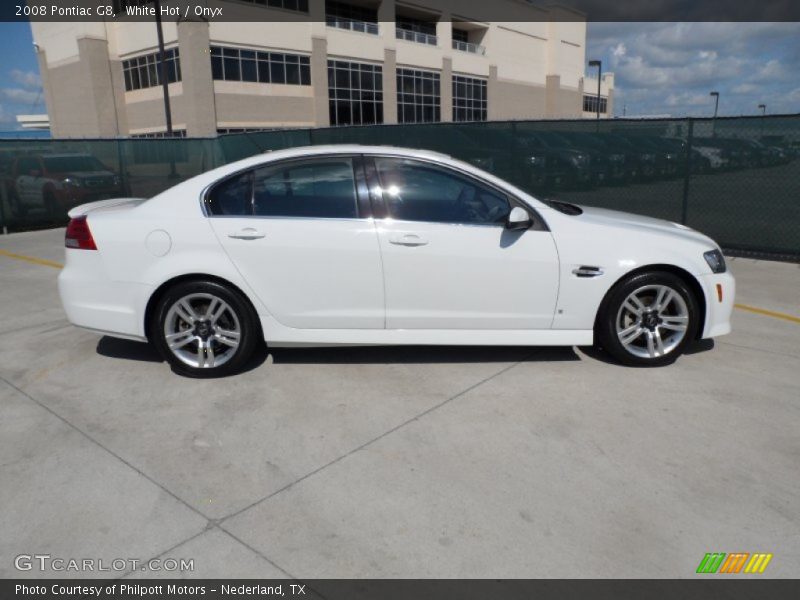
x=331, y=63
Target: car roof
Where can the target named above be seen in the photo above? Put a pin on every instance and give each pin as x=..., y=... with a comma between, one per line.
x=351, y=148
x=309, y=151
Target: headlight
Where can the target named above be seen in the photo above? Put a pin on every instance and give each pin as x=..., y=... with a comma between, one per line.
x=71, y=182
x=715, y=260
x=536, y=161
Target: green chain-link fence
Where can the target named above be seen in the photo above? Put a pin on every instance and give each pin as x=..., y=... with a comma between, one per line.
x=736, y=179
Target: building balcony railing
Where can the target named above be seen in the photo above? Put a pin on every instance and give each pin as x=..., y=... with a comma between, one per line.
x=416, y=36
x=469, y=47
x=352, y=25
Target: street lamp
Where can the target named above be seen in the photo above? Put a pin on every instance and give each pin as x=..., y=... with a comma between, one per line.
x=716, y=109
x=763, y=108
x=599, y=65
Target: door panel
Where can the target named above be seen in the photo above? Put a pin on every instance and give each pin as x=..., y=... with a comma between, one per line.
x=475, y=274
x=303, y=247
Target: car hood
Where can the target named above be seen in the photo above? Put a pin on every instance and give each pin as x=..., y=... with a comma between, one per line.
x=630, y=221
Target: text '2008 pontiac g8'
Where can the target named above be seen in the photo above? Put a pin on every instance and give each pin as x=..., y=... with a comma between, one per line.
x=379, y=245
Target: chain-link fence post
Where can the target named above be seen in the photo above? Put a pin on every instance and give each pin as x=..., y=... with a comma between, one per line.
x=688, y=174
x=4, y=202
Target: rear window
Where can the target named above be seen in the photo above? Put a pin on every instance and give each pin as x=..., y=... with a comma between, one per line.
x=318, y=188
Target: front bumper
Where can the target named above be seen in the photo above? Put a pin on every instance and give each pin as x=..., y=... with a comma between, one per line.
x=718, y=310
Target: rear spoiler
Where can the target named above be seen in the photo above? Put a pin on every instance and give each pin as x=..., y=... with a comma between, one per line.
x=90, y=206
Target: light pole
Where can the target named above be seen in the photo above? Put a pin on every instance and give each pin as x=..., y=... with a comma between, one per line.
x=599, y=65
x=162, y=56
x=716, y=109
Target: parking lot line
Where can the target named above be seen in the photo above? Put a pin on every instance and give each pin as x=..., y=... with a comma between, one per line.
x=32, y=259
x=768, y=313
x=754, y=309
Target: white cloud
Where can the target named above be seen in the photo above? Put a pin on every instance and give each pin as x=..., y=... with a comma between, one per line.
x=27, y=79
x=20, y=96
x=672, y=67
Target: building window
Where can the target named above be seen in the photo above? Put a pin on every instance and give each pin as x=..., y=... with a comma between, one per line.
x=418, y=96
x=297, y=5
x=355, y=93
x=590, y=103
x=469, y=99
x=227, y=130
x=233, y=64
x=460, y=35
x=145, y=71
x=176, y=133
x=349, y=16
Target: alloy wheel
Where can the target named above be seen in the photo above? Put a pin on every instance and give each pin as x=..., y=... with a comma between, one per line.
x=652, y=321
x=202, y=330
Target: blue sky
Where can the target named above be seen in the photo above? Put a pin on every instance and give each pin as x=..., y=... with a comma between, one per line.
x=660, y=68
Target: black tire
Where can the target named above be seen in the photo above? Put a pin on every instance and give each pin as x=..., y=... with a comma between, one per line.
x=654, y=325
x=242, y=316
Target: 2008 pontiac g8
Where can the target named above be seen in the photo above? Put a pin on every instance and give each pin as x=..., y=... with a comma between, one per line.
x=379, y=245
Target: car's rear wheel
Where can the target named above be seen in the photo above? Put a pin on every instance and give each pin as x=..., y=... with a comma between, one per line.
x=204, y=329
x=648, y=319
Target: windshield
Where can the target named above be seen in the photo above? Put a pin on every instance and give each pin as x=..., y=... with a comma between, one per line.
x=68, y=164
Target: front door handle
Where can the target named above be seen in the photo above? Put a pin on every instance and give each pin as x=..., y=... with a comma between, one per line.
x=248, y=233
x=407, y=239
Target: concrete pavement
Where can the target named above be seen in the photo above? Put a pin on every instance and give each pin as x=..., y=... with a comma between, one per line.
x=398, y=462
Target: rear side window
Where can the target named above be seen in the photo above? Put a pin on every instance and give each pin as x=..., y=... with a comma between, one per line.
x=232, y=196
x=321, y=188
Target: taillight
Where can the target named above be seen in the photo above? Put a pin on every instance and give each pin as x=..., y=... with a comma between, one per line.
x=79, y=235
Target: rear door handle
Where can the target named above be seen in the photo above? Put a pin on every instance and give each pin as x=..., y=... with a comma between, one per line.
x=407, y=239
x=248, y=233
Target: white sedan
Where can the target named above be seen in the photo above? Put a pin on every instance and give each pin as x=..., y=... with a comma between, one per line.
x=347, y=245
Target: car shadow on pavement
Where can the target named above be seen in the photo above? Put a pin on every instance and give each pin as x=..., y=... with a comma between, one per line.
x=144, y=352
x=420, y=354
x=601, y=355
x=127, y=349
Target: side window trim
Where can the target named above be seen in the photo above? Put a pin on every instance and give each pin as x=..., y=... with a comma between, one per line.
x=362, y=211
x=363, y=207
x=382, y=211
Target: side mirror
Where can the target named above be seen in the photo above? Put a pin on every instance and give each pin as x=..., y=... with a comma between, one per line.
x=518, y=218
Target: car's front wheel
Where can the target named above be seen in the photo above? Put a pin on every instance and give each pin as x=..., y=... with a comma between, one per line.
x=204, y=329
x=648, y=319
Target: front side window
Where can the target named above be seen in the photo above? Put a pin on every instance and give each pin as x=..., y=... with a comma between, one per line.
x=323, y=188
x=419, y=191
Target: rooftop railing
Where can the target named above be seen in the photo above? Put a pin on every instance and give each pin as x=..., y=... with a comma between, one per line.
x=468, y=47
x=352, y=25
x=416, y=36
